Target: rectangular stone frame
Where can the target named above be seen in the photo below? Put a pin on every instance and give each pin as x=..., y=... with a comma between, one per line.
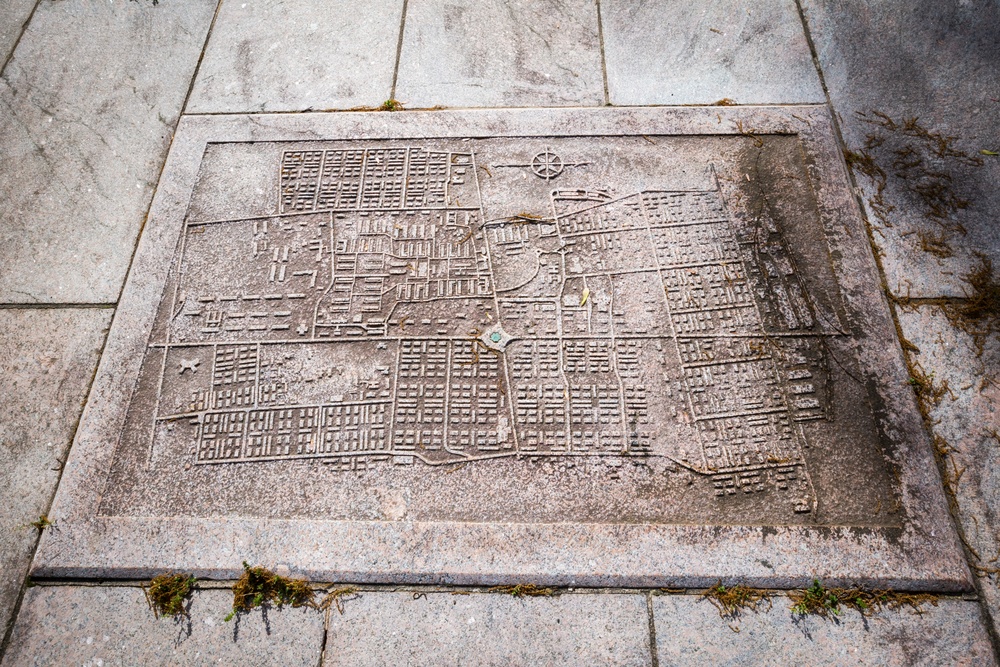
x=925, y=554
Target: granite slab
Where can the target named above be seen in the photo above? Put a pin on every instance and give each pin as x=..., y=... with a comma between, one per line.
x=297, y=55
x=112, y=625
x=48, y=360
x=489, y=629
x=486, y=53
x=967, y=423
x=591, y=347
x=690, y=632
x=88, y=105
x=669, y=52
x=938, y=64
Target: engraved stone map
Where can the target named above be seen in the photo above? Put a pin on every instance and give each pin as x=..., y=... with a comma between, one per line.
x=609, y=329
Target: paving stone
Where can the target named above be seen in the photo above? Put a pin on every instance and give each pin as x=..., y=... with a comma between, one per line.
x=47, y=361
x=489, y=629
x=294, y=55
x=669, y=52
x=98, y=626
x=967, y=420
x=342, y=374
x=481, y=53
x=936, y=62
x=87, y=107
x=13, y=15
x=690, y=632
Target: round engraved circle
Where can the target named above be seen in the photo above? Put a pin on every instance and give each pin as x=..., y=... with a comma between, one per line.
x=547, y=165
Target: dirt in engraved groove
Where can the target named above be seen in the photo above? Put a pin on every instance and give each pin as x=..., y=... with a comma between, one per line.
x=625, y=329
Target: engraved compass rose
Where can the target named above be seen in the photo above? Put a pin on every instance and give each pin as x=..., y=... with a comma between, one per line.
x=546, y=164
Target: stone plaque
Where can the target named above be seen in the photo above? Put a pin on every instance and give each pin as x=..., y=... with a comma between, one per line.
x=600, y=346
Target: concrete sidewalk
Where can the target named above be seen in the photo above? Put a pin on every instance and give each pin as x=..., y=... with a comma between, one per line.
x=92, y=92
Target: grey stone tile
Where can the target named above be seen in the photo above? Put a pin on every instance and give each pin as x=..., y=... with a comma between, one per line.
x=667, y=52
x=13, y=15
x=966, y=421
x=298, y=55
x=66, y=625
x=489, y=629
x=87, y=108
x=496, y=53
x=47, y=361
x=939, y=62
x=689, y=632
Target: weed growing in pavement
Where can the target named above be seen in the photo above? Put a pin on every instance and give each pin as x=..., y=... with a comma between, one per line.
x=167, y=594
x=258, y=587
x=524, y=590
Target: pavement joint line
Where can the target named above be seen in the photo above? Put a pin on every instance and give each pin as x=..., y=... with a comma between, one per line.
x=791, y=105
x=399, y=50
x=13, y=48
x=320, y=586
x=651, y=619
x=56, y=306
x=604, y=57
x=953, y=507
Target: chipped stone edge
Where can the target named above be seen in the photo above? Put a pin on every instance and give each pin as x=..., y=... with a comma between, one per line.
x=925, y=554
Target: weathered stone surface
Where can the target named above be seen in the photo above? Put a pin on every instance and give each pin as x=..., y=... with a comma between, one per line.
x=668, y=52
x=489, y=629
x=690, y=632
x=47, y=361
x=13, y=15
x=94, y=626
x=494, y=53
x=966, y=420
x=298, y=55
x=87, y=107
x=614, y=334
x=935, y=62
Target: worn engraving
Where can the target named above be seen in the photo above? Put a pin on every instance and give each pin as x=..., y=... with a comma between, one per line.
x=381, y=316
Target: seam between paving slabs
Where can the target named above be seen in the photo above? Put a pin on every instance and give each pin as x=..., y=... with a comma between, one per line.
x=604, y=57
x=654, y=658
x=24, y=29
x=953, y=508
x=460, y=108
x=399, y=50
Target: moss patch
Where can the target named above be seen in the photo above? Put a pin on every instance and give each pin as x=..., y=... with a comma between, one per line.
x=260, y=587
x=168, y=594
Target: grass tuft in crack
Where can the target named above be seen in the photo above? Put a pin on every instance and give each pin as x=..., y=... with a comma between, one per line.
x=524, y=590
x=43, y=522
x=259, y=587
x=335, y=598
x=731, y=600
x=167, y=594
x=828, y=603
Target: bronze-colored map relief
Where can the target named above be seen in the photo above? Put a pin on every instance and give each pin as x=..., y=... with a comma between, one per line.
x=409, y=312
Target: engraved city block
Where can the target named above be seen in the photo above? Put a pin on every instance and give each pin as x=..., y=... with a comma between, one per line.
x=571, y=347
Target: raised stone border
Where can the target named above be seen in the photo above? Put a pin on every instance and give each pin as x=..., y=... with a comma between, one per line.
x=924, y=554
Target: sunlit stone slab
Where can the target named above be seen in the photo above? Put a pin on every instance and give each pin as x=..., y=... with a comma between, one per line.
x=584, y=346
